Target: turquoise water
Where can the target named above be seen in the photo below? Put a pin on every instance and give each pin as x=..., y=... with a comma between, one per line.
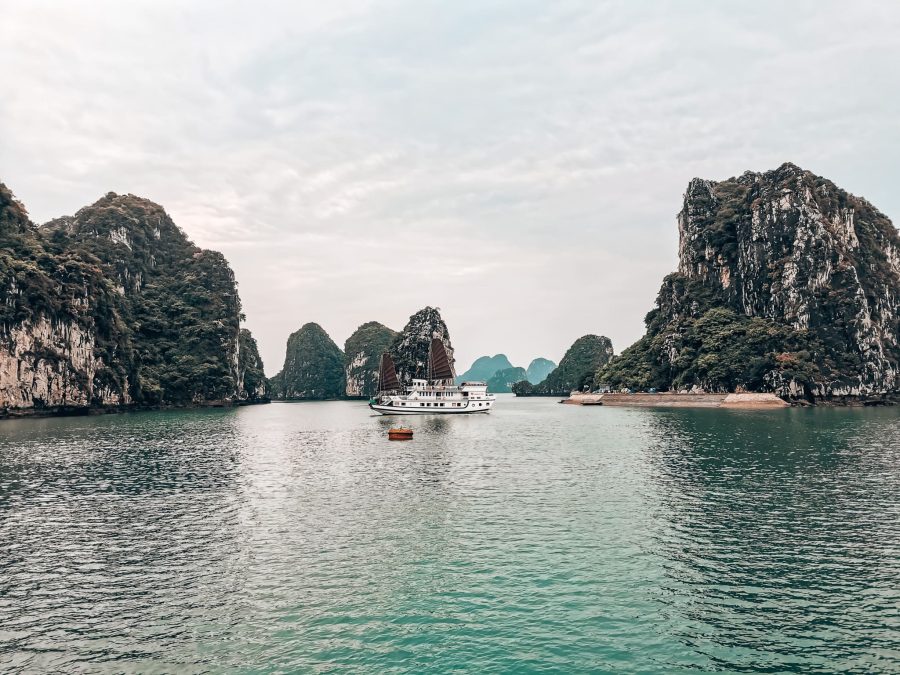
x=296, y=537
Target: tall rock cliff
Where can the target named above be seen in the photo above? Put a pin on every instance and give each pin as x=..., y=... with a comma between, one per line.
x=113, y=306
x=254, y=386
x=362, y=357
x=410, y=348
x=785, y=283
x=63, y=340
x=313, y=367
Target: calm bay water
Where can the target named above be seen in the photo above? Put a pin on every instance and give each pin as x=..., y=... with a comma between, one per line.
x=296, y=537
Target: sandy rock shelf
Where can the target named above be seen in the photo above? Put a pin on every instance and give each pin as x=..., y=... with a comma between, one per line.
x=671, y=400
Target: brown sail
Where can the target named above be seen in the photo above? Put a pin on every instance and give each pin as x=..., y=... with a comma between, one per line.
x=439, y=366
x=387, y=374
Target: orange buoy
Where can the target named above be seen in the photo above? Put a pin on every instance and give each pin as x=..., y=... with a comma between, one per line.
x=400, y=434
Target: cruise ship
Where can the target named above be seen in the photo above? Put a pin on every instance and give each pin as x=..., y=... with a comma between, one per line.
x=438, y=394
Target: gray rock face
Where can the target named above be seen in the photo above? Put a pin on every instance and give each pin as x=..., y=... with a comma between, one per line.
x=410, y=348
x=785, y=283
x=362, y=357
x=113, y=306
x=792, y=247
x=253, y=384
x=47, y=364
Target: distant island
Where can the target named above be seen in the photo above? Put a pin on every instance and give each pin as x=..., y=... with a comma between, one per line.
x=500, y=375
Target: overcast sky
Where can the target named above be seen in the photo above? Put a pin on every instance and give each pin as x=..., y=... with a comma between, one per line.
x=518, y=164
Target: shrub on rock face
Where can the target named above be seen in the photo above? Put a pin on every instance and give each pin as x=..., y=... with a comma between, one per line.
x=255, y=385
x=523, y=388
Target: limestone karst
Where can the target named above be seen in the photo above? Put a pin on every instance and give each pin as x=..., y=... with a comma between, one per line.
x=576, y=368
x=362, y=357
x=785, y=283
x=114, y=306
x=410, y=347
x=313, y=367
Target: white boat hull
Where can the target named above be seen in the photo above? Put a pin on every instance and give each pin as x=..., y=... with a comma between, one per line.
x=397, y=410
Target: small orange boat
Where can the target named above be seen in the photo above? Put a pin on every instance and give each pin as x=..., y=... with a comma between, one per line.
x=400, y=434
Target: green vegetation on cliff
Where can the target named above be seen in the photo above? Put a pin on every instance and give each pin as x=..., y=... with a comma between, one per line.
x=180, y=301
x=362, y=357
x=313, y=367
x=575, y=371
x=46, y=283
x=114, y=306
x=717, y=350
x=785, y=283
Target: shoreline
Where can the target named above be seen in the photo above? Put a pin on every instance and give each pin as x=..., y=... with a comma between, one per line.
x=745, y=401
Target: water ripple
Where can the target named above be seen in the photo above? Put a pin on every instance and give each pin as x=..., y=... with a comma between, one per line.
x=295, y=537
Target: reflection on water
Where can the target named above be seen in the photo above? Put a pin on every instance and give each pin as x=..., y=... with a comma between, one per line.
x=297, y=537
x=779, y=531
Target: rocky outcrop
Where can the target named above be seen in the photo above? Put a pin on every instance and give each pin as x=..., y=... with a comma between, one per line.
x=575, y=371
x=113, y=307
x=362, y=358
x=538, y=370
x=46, y=365
x=410, y=348
x=484, y=368
x=577, y=367
x=313, y=367
x=785, y=283
x=254, y=386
